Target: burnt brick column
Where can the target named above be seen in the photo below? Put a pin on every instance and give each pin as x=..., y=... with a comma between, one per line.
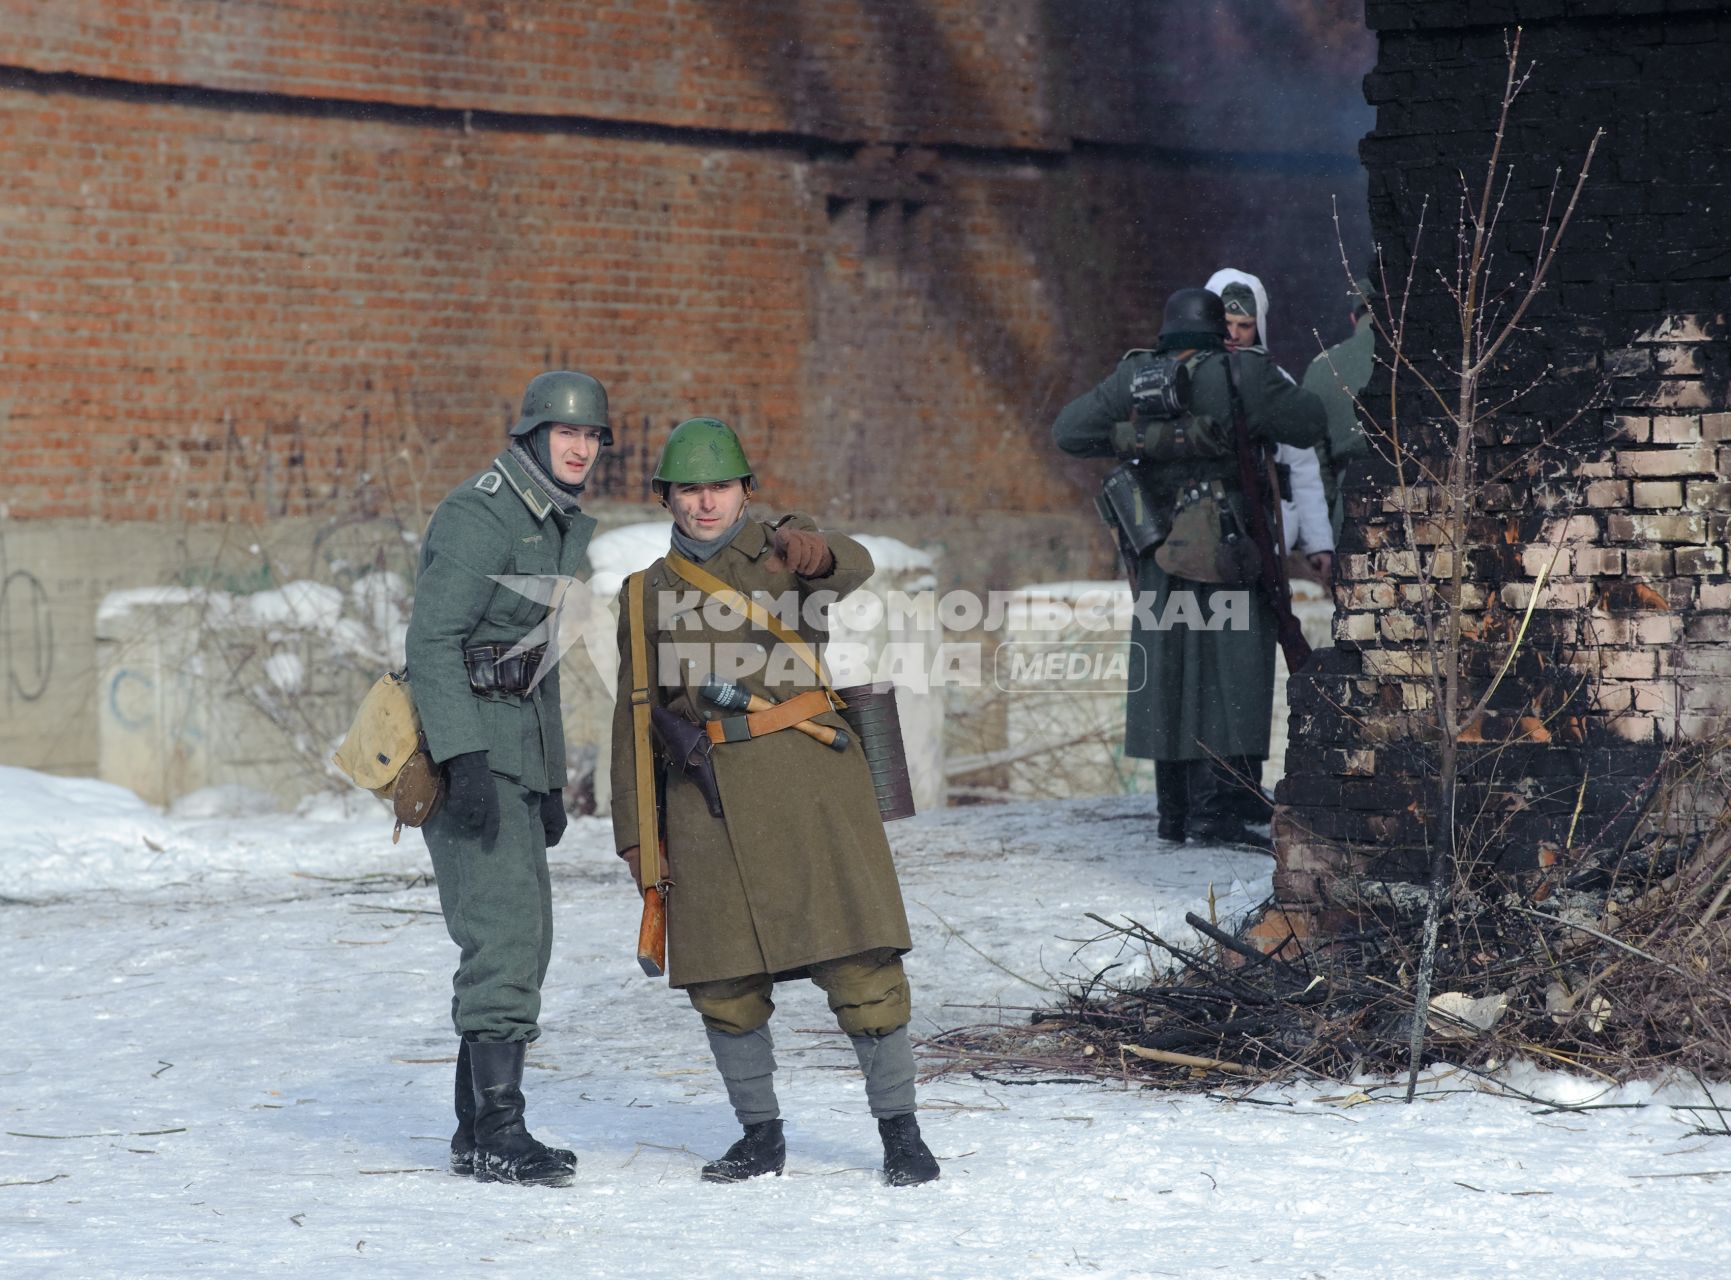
x=1613, y=473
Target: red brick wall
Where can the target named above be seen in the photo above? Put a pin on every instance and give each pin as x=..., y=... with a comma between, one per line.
x=950, y=70
x=277, y=258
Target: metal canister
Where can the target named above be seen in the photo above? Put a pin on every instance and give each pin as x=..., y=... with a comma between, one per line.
x=871, y=710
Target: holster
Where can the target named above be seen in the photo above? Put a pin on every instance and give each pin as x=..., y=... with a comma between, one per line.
x=1235, y=559
x=493, y=668
x=686, y=746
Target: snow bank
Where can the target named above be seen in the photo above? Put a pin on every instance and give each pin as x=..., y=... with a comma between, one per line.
x=634, y=547
x=631, y=548
x=891, y=555
x=76, y=835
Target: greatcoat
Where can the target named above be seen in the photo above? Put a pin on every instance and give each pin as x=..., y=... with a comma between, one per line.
x=798, y=870
x=1197, y=693
x=486, y=575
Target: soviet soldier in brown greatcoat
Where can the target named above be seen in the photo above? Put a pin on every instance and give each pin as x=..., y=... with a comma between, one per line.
x=794, y=878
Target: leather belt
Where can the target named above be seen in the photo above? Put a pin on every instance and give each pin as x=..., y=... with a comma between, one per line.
x=493, y=668
x=783, y=715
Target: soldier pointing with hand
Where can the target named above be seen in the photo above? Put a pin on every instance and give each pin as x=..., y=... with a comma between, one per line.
x=776, y=854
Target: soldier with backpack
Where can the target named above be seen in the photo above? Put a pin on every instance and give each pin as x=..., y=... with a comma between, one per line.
x=1173, y=415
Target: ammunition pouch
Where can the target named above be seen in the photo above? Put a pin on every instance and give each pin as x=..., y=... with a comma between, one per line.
x=686, y=747
x=494, y=668
x=1128, y=508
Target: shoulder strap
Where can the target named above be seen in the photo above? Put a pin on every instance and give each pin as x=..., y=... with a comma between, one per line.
x=760, y=617
x=648, y=834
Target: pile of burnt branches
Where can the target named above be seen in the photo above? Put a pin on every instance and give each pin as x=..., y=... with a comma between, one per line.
x=1617, y=967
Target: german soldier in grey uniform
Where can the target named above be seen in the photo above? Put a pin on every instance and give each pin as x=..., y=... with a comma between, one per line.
x=489, y=706
x=1202, y=680
x=793, y=877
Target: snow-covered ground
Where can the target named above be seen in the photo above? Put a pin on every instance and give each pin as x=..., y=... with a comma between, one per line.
x=227, y=1052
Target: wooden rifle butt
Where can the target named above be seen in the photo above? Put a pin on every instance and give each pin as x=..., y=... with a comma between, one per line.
x=652, y=932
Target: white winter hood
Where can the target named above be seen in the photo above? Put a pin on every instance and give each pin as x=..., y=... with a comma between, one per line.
x=1231, y=275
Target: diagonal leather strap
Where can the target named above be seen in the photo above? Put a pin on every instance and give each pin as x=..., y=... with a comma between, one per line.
x=783, y=715
x=760, y=617
x=648, y=836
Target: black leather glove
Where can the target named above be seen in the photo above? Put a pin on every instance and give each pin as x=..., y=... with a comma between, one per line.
x=553, y=819
x=472, y=798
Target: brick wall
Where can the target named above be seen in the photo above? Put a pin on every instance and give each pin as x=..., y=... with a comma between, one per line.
x=290, y=262
x=255, y=249
x=1612, y=473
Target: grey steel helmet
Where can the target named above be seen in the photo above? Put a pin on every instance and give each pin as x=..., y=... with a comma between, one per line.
x=574, y=399
x=1194, y=311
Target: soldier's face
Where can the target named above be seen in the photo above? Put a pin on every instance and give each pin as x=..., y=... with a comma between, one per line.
x=1240, y=331
x=706, y=511
x=573, y=451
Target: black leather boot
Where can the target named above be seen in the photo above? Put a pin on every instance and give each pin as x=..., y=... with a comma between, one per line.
x=1224, y=829
x=1172, y=799
x=907, y=1159
x=760, y=1150
x=1238, y=789
x=1211, y=820
x=504, y=1149
x=463, y=1140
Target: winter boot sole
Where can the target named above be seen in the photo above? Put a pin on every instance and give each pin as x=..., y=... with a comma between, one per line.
x=712, y=1174
x=496, y=1170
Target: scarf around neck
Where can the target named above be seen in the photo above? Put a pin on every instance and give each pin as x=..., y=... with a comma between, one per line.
x=562, y=496
x=698, y=552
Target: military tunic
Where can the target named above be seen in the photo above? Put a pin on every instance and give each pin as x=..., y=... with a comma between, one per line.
x=1197, y=694
x=798, y=870
x=495, y=894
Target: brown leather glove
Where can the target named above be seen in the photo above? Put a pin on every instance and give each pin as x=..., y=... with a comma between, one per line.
x=805, y=552
x=633, y=859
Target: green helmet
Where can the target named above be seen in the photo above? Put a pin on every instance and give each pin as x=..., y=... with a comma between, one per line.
x=700, y=451
x=573, y=399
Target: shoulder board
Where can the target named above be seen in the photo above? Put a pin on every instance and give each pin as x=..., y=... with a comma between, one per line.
x=489, y=482
x=1136, y=351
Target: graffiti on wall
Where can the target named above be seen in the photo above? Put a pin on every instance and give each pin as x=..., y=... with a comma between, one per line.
x=26, y=631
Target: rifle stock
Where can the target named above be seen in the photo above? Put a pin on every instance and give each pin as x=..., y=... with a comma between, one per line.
x=1271, y=573
x=652, y=929
x=651, y=848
